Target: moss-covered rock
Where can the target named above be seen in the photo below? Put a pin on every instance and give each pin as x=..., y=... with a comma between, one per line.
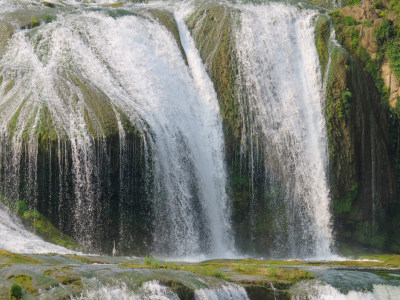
x=6, y=31
x=322, y=34
x=27, y=19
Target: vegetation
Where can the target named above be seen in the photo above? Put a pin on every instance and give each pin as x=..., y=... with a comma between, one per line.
x=377, y=45
x=352, y=2
x=38, y=223
x=15, y=292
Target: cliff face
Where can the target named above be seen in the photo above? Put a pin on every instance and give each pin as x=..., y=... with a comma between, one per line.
x=362, y=96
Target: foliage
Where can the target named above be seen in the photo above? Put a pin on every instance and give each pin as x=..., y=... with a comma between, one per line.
x=151, y=261
x=384, y=32
x=350, y=21
x=379, y=4
x=393, y=52
x=352, y=2
x=16, y=291
x=395, y=5
x=355, y=38
x=21, y=207
x=367, y=23
x=322, y=32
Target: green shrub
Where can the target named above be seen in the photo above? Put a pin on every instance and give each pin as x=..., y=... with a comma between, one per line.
x=16, y=291
x=379, y=4
x=35, y=214
x=363, y=54
x=355, y=38
x=346, y=98
x=21, y=207
x=384, y=32
x=393, y=52
x=218, y=274
x=395, y=5
x=350, y=21
x=352, y=2
x=151, y=261
x=367, y=23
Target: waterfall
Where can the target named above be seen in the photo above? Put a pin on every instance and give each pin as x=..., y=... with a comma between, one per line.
x=110, y=126
x=284, y=127
x=76, y=87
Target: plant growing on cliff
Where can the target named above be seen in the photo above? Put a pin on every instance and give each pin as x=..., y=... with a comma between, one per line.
x=15, y=292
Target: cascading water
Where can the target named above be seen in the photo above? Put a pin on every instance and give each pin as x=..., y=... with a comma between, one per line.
x=225, y=292
x=284, y=127
x=69, y=89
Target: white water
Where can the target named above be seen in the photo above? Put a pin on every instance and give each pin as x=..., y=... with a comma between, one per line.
x=15, y=238
x=282, y=80
x=225, y=292
x=135, y=65
x=320, y=291
x=93, y=289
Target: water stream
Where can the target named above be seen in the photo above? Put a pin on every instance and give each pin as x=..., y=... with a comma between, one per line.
x=284, y=124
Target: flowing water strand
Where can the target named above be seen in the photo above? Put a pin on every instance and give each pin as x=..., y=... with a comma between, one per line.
x=214, y=179
x=282, y=82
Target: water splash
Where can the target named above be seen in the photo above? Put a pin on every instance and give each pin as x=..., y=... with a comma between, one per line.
x=318, y=290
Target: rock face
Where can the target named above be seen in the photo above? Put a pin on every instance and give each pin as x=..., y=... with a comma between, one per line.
x=362, y=93
x=391, y=82
x=369, y=17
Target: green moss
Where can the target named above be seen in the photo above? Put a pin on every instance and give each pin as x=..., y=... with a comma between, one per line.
x=34, y=22
x=344, y=205
x=25, y=281
x=49, y=4
x=85, y=259
x=12, y=258
x=322, y=33
x=367, y=233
